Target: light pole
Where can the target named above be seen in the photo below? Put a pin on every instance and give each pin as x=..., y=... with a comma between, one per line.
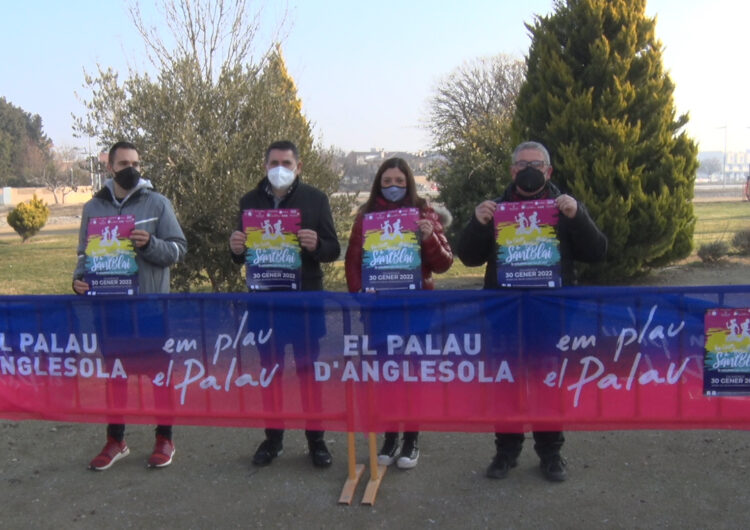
x=724, y=160
x=74, y=157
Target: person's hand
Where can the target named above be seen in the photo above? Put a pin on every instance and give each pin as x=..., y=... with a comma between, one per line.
x=425, y=227
x=80, y=287
x=140, y=238
x=485, y=211
x=308, y=239
x=237, y=242
x=567, y=205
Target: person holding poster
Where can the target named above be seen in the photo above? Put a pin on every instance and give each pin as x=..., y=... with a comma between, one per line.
x=127, y=205
x=295, y=204
x=393, y=198
x=577, y=239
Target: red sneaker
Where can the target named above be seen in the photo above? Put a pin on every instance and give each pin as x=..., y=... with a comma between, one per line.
x=111, y=453
x=163, y=452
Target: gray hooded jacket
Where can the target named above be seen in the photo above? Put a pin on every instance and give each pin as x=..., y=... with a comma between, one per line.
x=154, y=213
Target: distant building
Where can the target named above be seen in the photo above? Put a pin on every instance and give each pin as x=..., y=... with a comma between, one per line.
x=736, y=166
x=360, y=167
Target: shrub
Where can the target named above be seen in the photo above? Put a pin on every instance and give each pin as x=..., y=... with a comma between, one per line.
x=28, y=217
x=712, y=252
x=741, y=242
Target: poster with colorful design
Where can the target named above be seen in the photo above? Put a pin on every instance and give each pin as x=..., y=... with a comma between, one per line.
x=391, y=251
x=110, y=256
x=528, y=251
x=273, y=260
x=726, y=368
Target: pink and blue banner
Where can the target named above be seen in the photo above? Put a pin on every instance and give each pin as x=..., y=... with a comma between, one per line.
x=573, y=358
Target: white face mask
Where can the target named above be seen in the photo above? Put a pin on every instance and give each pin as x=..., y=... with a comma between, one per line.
x=280, y=177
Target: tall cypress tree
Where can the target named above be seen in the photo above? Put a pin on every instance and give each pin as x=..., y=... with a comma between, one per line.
x=277, y=101
x=279, y=104
x=596, y=95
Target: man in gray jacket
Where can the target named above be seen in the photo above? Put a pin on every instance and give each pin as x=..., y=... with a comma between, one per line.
x=159, y=243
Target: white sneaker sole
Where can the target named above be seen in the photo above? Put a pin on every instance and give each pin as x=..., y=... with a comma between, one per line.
x=406, y=463
x=118, y=456
x=165, y=464
x=385, y=460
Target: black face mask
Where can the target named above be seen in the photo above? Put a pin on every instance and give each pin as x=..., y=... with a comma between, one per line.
x=127, y=178
x=530, y=179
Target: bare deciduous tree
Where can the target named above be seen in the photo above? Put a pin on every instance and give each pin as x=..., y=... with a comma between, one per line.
x=213, y=34
x=470, y=115
x=709, y=166
x=62, y=174
x=477, y=91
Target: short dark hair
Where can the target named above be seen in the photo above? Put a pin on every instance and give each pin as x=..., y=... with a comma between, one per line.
x=283, y=145
x=120, y=145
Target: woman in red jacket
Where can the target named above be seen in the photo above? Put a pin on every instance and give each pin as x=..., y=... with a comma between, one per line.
x=394, y=187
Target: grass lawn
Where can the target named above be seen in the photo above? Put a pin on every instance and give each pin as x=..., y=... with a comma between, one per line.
x=719, y=221
x=44, y=264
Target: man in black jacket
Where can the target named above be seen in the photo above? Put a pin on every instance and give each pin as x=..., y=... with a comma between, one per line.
x=282, y=188
x=580, y=240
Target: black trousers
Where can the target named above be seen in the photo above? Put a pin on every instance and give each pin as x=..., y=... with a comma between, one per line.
x=546, y=443
x=277, y=435
x=408, y=435
x=117, y=431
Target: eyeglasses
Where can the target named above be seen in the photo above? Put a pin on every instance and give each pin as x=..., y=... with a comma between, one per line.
x=536, y=164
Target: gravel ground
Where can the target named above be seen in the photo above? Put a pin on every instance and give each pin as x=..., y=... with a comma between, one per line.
x=638, y=479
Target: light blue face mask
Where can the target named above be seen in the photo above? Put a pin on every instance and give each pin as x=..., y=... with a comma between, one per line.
x=394, y=193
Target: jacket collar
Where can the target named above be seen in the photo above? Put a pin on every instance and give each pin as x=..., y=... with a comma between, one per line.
x=107, y=192
x=265, y=187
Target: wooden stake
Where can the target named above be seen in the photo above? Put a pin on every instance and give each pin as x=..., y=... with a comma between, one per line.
x=377, y=472
x=355, y=472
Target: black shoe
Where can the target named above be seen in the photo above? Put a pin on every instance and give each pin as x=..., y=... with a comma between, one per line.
x=554, y=468
x=267, y=451
x=388, y=452
x=319, y=453
x=409, y=455
x=500, y=466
